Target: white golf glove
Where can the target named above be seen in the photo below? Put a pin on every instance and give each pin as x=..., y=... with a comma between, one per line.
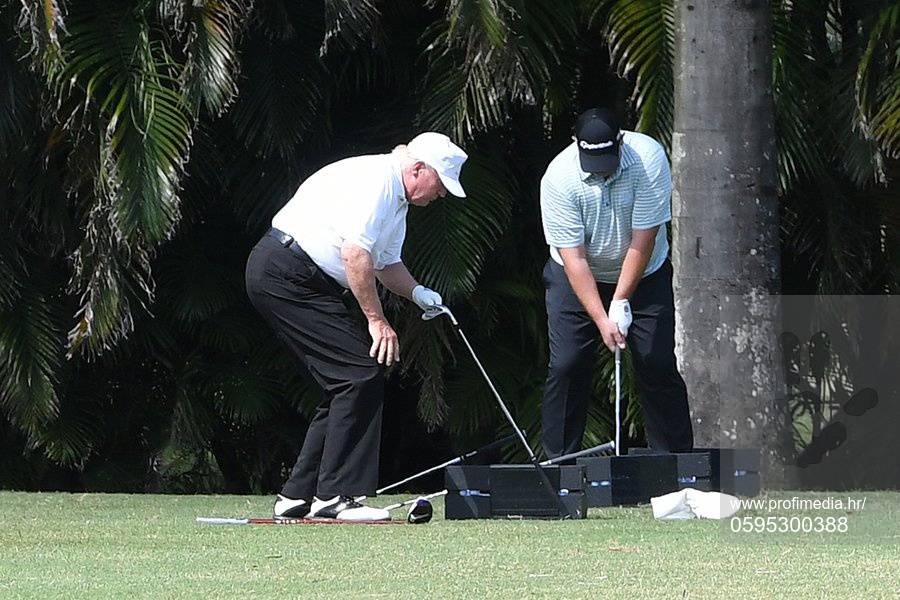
x=620, y=314
x=425, y=297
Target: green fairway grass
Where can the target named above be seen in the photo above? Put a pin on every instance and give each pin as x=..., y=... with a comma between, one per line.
x=149, y=546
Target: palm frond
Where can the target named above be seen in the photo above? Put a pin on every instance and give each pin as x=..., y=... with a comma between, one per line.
x=641, y=38
x=380, y=66
x=448, y=242
x=425, y=348
x=194, y=287
x=29, y=359
x=825, y=78
x=347, y=23
x=108, y=276
x=212, y=64
x=485, y=57
x=829, y=225
x=127, y=83
x=260, y=188
x=113, y=60
x=72, y=436
x=239, y=394
x=797, y=90
x=18, y=97
x=283, y=99
x=283, y=20
x=12, y=272
x=38, y=193
x=471, y=405
x=878, y=82
x=191, y=417
x=859, y=158
x=42, y=22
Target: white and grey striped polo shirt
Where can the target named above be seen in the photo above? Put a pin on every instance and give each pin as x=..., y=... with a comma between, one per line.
x=584, y=208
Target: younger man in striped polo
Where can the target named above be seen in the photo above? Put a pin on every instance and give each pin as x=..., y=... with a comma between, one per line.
x=605, y=200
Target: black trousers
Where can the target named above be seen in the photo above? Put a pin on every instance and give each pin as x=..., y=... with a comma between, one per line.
x=306, y=310
x=574, y=342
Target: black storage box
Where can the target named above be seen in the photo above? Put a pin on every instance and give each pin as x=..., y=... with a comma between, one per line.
x=694, y=469
x=468, y=492
x=734, y=471
x=634, y=479
x=513, y=491
x=519, y=491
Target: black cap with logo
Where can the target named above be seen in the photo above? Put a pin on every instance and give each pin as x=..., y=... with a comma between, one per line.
x=597, y=136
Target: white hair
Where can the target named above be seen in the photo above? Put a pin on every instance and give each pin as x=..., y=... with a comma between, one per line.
x=407, y=159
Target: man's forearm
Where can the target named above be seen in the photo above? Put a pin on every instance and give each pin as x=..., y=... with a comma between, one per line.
x=636, y=259
x=583, y=284
x=361, y=277
x=397, y=279
x=632, y=271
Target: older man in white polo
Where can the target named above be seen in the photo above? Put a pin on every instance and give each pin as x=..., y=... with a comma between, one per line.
x=342, y=230
x=605, y=202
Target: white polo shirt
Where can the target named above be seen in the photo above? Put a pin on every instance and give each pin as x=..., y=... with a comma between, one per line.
x=359, y=200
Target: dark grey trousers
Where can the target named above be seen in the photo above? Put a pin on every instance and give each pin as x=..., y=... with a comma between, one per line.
x=574, y=342
x=306, y=310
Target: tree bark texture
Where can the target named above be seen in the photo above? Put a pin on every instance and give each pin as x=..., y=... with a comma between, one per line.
x=725, y=227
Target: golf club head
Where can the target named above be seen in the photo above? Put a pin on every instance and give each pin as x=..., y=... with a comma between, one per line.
x=420, y=512
x=436, y=311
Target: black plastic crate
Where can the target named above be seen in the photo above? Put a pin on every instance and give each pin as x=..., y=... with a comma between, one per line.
x=519, y=491
x=468, y=492
x=731, y=470
x=627, y=480
x=694, y=469
x=514, y=491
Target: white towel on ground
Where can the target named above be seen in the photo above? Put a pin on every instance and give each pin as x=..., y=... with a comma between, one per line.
x=690, y=503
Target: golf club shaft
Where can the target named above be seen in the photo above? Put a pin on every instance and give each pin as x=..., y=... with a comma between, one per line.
x=413, y=500
x=487, y=448
x=531, y=456
x=222, y=521
x=618, y=399
x=586, y=452
x=502, y=404
x=533, y=459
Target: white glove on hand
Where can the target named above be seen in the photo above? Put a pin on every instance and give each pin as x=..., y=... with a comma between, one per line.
x=425, y=297
x=620, y=314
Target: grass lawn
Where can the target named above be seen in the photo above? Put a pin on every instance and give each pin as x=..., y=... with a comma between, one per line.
x=99, y=545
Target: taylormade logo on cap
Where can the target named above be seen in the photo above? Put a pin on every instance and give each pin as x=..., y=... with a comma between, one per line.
x=438, y=152
x=599, y=146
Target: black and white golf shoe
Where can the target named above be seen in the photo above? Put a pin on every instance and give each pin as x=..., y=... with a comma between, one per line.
x=288, y=508
x=345, y=508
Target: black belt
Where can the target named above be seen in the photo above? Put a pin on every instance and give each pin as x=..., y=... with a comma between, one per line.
x=286, y=240
x=291, y=244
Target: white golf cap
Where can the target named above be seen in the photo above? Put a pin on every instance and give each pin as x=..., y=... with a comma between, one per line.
x=438, y=152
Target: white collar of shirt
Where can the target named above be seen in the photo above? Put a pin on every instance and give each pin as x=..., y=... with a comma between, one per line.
x=397, y=169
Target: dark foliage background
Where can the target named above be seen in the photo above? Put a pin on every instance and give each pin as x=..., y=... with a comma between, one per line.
x=147, y=143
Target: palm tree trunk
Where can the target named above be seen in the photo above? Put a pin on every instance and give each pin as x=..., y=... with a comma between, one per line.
x=725, y=226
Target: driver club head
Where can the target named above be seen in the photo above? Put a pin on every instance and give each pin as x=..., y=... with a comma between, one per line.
x=420, y=512
x=435, y=311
